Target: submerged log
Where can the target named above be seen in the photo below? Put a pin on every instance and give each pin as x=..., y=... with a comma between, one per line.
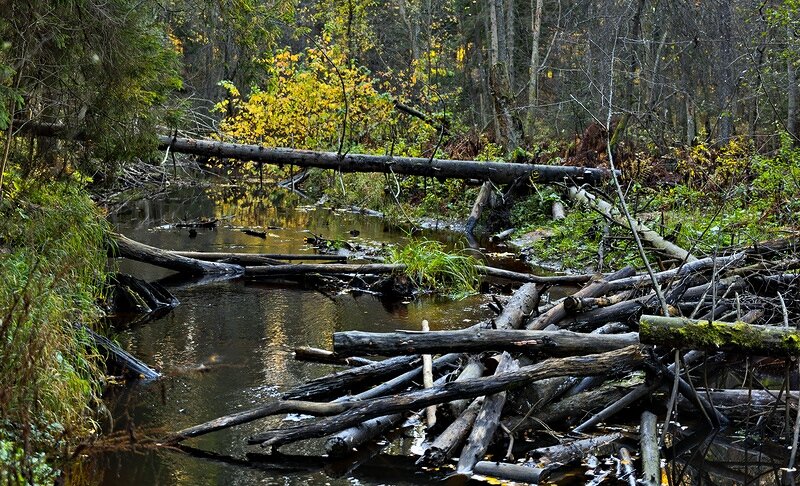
x=552, y=343
x=736, y=337
x=510, y=472
x=357, y=412
x=128, y=248
x=572, y=451
x=497, y=172
x=121, y=359
x=256, y=258
x=316, y=355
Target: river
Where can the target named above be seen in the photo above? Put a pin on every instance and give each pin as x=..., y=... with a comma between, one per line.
x=228, y=345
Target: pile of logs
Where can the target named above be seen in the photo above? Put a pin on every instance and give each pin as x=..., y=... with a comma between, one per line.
x=526, y=393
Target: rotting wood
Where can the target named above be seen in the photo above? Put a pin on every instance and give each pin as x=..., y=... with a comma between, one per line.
x=720, y=263
x=486, y=422
x=594, y=289
x=552, y=343
x=497, y=172
x=736, y=337
x=611, y=362
x=128, y=248
x=473, y=369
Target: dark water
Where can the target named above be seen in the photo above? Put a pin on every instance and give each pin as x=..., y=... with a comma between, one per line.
x=243, y=333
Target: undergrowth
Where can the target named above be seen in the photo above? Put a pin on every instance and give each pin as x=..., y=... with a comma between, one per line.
x=431, y=267
x=52, y=262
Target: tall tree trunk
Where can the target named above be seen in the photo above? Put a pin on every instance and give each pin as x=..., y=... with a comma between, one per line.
x=533, y=71
x=509, y=30
x=725, y=79
x=411, y=26
x=791, y=104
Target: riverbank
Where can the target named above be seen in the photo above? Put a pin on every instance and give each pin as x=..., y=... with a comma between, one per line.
x=53, y=262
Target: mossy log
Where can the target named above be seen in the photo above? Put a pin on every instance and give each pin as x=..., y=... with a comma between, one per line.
x=735, y=337
x=497, y=172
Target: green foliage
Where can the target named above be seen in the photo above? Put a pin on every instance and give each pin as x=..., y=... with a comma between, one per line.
x=52, y=259
x=431, y=267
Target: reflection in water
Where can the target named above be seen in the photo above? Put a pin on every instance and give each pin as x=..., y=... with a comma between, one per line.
x=228, y=345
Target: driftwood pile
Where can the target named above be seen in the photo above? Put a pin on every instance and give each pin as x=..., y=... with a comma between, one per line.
x=523, y=394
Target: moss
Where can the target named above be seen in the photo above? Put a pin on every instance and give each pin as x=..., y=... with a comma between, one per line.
x=737, y=336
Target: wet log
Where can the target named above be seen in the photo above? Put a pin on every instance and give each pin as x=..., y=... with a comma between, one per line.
x=128, y=248
x=574, y=304
x=118, y=358
x=446, y=444
x=477, y=209
x=551, y=343
x=316, y=355
x=257, y=258
x=343, y=443
x=612, y=213
x=131, y=294
x=648, y=446
x=612, y=362
x=510, y=472
x=742, y=402
x=473, y=369
x=626, y=472
x=734, y=337
x=497, y=172
x=503, y=235
x=594, y=289
x=486, y=422
x=620, y=312
x=340, y=383
x=574, y=450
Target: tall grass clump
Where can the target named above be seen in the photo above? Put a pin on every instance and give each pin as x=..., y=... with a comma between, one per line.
x=431, y=267
x=52, y=265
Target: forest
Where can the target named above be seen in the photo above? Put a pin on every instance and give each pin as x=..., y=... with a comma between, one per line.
x=618, y=184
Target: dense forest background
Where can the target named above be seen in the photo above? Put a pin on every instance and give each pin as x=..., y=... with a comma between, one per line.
x=519, y=74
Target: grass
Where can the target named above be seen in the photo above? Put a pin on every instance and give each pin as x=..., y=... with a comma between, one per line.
x=52, y=262
x=431, y=267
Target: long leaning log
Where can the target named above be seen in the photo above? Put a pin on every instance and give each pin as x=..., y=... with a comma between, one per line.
x=128, y=248
x=497, y=172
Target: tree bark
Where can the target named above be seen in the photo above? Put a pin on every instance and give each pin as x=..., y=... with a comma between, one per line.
x=477, y=209
x=453, y=436
x=255, y=258
x=497, y=172
x=316, y=355
x=552, y=343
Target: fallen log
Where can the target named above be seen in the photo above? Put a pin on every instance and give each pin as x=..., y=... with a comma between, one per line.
x=340, y=383
x=594, y=289
x=124, y=361
x=128, y=248
x=613, y=214
x=737, y=337
x=648, y=446
x=572, y=451
x=452, y=437
x=316, y=355
x=551, y=343
x=720, y=263
x=357, y=412
x=497, y=172
x=510, y=472
x=486, y=422
x=473, y=369
x=257, y=258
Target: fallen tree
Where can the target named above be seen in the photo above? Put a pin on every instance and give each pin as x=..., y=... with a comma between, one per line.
x=497, y=172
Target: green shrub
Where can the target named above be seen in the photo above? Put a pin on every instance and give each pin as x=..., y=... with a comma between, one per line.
x=431, y=267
